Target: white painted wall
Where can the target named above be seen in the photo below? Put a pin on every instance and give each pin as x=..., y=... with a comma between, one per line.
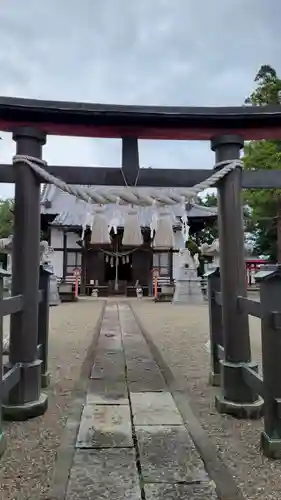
x=56, y=238
x=57, y=261
x=179, y=243
x=57, y=242
x=72, y=239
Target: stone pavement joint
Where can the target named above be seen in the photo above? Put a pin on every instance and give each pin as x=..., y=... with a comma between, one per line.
x=132, y=442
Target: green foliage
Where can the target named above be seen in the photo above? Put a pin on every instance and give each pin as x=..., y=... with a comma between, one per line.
x=210, y=200
x=268, y=86
x=264, y=203
x=192, y=246
x=6, y=217
x=210, y=232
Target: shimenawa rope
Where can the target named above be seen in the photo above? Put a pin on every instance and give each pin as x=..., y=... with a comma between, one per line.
x=130, y=195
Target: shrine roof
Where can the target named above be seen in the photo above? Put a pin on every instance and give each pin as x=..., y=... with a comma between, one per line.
x=69, y=211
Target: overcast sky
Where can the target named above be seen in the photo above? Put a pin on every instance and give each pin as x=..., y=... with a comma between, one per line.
x=161, y=52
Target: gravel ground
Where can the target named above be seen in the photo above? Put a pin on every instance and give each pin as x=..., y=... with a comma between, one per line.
x=28, y=463
x=180, y=333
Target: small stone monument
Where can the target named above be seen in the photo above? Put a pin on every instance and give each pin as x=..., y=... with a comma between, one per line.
x=212, y=250
x=46, y=260
x=46, y=252
x=139, y=290
x=188, y=284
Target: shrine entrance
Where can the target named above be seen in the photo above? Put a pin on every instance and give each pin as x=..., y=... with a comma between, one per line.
x=227, y=129
x=117, y=268
x=117, y=264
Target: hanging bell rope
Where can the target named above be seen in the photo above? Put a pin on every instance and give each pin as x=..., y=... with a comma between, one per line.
x=132, y=231
x=185, y=228
x=154, y=220
x=100, y=234
x=164, y=236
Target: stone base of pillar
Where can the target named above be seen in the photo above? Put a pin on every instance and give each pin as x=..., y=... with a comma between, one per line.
x=54, y=298
x=26, y=410
x=3, y=443
x=238, y=398
x=215, y=379
x=252, y=411
x=25, y=399
x=188, y=292
x=271, y=447
x=45, y=380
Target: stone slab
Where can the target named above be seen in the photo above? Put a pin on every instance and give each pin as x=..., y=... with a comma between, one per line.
x=103, y=475
x=167, y=454
x=137, y=352
x=139, y=348
x=106, y=345
x=147, y=376
x=142, y=368
x=150, y=408
x=145, y=364
x=148, y=384
x=108, y=392
x=137, y=374
x=109, y=367
x=130, y=327
x=133, y=355
x=105, y=426
x=133, y=338
x=109, y=355
x=110, y=329
x=113, y=343
x=179, y=492
x=110, y=325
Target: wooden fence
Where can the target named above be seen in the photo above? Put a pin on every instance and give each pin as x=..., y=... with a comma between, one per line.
x=12, y=397
x=264, y=384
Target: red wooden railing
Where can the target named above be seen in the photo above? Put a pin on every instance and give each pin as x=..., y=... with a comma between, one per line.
x=252, y=267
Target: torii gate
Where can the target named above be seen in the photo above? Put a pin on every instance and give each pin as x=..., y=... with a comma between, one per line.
x=31, y=121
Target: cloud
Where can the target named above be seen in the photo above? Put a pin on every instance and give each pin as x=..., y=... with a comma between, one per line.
x=184, y=52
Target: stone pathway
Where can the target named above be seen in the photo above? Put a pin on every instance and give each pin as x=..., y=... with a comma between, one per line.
x=132, y=442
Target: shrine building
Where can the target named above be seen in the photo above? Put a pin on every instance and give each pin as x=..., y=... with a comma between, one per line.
x=110, y=267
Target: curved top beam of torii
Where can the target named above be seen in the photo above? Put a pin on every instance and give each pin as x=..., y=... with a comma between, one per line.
x=144, y=122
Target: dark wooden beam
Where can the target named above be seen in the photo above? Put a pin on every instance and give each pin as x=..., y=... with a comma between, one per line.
x=154, y=177
x=130, y=160
x=144, y=122
x=256, y=179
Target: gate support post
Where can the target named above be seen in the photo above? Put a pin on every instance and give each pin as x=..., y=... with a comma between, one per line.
x=25, y=399
x=236, y=397
x=3, y=274
x=270, y=297
x=215, y=321
x=43, y=323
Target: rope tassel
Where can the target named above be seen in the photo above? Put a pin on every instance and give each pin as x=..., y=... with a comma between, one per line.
x=164, y=236
x=100, y=234
x=132, y=231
